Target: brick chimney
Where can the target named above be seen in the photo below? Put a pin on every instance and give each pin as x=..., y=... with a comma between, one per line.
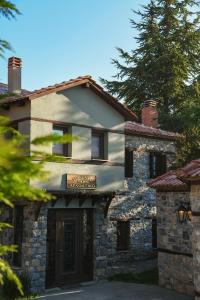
x=14, y=75
x=150, y=114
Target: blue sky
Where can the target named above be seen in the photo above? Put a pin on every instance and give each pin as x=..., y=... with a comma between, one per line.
x=63, y=39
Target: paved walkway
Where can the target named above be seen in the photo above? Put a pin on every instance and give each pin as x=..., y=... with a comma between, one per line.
x=116, y=291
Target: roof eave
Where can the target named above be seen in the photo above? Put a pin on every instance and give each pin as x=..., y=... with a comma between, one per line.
x=154, y=136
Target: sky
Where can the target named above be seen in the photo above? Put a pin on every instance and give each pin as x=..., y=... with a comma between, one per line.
x=64, y=39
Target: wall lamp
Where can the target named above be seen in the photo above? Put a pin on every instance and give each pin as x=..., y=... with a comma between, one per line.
x=184, y=213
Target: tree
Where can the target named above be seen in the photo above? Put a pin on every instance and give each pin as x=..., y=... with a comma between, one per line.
x=9, y=11
x=16, y=170
x=165, y=65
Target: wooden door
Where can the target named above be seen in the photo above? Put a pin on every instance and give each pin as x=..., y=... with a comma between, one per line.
x=69, y=246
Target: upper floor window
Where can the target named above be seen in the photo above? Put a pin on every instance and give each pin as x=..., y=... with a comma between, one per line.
x=98, y=145
x=123, y=235
x=128, y=163
x=60, y=149
x=158, y=164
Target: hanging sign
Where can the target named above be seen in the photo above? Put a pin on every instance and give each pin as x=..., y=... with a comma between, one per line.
x=84, y=182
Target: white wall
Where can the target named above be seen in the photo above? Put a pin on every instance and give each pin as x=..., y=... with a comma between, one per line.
x=109, y=178
x=77, y=105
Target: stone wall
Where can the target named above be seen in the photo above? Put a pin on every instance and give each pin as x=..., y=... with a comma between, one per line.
x=138, y=203
x=195, y=204
x=34, y=245
x=174, y=243
x=176, y=272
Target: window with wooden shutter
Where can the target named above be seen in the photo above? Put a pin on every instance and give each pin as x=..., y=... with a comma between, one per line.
x=123, y=235
x=18, y=234
x=157, y=164
x=98, y=145
x=128, y=163
x=154, y=233
x=61, y=149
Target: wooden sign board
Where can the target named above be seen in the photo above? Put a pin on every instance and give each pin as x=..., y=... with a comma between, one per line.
x=84, y=182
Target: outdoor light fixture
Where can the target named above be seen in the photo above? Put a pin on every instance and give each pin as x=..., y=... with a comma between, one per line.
x=184, y=214
x=189, y=213
x=181, y=214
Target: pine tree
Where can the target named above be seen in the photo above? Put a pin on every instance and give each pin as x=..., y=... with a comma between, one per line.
x=165, y=64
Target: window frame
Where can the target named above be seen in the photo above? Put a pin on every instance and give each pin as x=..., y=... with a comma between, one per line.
x=66, y=146
x=160, y=163
x=128, y=163
x=123, y=235
x=101, y=136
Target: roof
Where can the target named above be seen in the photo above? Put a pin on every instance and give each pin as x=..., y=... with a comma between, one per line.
x=4, y=89
x=191, y=172
x=178, y=179
x=133, y=128
x=83, y=80
x=168, y=181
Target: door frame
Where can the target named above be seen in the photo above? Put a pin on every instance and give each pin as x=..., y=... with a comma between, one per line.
x=52, y=213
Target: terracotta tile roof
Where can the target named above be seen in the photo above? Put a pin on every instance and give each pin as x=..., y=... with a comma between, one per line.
x=168, y=181
x=136, y=128
x=4, y=89
x=179, y=178
x=83, y=80
x=191, y=171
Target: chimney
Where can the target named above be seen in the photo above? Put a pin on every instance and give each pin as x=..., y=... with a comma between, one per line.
x=14, y=75
x=150, y=114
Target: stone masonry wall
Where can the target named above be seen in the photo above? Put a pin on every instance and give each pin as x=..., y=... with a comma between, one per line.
x=174, y=243
x=176, y=272
x=138, y=203
x=34, y=246
x=195, y=204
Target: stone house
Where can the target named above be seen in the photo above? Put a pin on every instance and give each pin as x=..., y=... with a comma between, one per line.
x=103, y=214
x=178, y=216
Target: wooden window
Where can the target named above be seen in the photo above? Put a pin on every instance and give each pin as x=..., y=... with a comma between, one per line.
x=158, y=164
x=60, y=149
x=123, y=235
x=18, y=234
x=154, y=233
x=98, y=151
x=128, y=163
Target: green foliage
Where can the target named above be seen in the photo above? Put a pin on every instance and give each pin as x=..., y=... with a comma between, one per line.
x=165, y=66
x=17, y=169
x=9, y=11
x=9, y=290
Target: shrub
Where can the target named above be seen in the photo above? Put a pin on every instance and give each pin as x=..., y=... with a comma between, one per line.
x=9, y=290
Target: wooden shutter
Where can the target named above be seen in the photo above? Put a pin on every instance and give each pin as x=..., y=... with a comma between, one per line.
x=18, y=234
x=154, y=233
x=123, y=235
x=161, y=164
x=128, y=163
x=151, y=172
x=157, y=164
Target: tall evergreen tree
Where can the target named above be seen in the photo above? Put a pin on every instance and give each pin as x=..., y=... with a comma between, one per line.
x=165, y=64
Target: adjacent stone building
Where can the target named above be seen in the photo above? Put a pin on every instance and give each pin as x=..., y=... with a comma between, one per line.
x=178, y=215
x=103, y=214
